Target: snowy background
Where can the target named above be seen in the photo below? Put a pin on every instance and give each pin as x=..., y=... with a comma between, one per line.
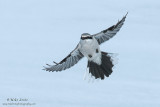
x=36, y=32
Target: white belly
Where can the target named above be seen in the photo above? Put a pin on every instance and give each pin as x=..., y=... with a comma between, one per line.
x=88, y=47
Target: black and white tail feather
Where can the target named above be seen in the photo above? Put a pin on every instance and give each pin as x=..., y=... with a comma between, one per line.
x=96, y=71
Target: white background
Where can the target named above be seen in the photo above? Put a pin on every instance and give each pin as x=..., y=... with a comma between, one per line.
x=36, y=32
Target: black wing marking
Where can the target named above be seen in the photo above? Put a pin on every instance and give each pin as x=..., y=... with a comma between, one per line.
x=67, y=62
x=110, y=32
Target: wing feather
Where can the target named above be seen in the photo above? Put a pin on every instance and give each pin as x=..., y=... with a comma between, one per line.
x=67, y=62
x=110, y=32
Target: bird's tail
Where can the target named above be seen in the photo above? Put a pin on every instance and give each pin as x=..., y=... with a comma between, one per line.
x=105, y=69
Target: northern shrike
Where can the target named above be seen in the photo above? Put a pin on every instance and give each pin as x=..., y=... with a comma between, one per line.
x=99, y=63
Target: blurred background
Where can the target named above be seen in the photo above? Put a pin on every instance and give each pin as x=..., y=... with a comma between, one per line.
x=36, y=32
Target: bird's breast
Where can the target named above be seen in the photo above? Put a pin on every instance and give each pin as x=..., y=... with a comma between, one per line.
x=90, y=49
x=89, y=46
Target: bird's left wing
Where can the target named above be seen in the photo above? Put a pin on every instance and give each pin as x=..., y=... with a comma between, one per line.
x=110, y=32
x=67, y=62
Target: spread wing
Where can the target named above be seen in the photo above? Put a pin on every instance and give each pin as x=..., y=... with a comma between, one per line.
x=67, y=62
x=110, y=32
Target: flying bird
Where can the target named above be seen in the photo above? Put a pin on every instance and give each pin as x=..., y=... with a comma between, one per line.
x=100, y=63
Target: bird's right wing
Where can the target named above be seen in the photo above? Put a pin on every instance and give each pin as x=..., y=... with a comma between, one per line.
x=67, y=62
x=105, y=35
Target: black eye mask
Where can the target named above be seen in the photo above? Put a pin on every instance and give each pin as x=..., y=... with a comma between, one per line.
x=88, y=37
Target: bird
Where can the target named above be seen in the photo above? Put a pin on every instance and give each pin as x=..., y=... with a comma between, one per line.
x=100, y=64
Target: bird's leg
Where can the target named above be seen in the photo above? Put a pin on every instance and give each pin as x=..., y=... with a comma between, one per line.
x=86, y=73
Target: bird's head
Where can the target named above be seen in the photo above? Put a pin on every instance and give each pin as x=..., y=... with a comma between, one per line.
x=86, y=36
